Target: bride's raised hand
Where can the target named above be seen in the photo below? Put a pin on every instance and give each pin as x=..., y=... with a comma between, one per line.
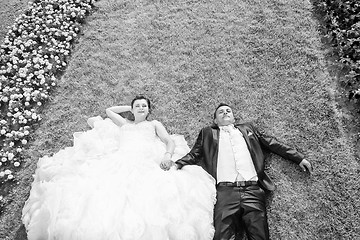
x=113, y=114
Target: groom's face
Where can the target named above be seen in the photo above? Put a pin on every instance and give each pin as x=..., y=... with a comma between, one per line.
x=224, y=116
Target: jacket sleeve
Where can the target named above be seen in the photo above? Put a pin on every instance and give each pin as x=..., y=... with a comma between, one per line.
x=281, y=149
x=195, y=154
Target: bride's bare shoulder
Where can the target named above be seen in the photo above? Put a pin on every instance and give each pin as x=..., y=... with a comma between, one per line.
x=156, y=122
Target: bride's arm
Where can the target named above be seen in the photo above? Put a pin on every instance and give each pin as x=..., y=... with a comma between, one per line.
x=165, y=137
x=112, y=113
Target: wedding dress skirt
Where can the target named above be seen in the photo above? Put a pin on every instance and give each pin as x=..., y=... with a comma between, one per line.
x=109, y=186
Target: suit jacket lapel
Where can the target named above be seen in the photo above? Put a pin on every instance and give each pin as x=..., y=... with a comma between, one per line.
x=215, y=135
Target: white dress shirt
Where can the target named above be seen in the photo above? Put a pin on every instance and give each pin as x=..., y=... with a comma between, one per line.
x=234, y=159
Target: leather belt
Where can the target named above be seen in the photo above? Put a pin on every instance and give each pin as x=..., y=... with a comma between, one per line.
x=238, y=184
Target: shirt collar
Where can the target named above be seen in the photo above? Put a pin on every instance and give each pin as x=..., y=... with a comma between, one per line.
x=227, y=127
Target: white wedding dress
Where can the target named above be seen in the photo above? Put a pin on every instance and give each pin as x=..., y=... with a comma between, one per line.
x=109, y=186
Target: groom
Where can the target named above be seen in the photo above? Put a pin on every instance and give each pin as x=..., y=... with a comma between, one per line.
x=235, y=156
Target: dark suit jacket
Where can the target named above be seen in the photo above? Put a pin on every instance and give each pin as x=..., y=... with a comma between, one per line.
x=205, y=151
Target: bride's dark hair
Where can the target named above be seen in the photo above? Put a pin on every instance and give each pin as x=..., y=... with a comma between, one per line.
x=139, y=97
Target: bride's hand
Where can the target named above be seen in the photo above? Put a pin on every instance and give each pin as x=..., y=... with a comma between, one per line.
x=166, y=164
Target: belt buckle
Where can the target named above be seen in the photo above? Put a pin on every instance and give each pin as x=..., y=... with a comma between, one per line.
x=240, y=184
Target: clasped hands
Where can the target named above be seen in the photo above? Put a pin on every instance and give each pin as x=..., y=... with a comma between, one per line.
x=167, y=164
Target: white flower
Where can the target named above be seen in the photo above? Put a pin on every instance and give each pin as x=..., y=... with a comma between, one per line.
x=18, y=114
x=4, y=159
x=10, y=176
x=28, y=113
x=24, y=141
x=16, y=164
x=9, y=135
x=2, y=131
x=7, y=171
x=2, y=174
x=10, y=156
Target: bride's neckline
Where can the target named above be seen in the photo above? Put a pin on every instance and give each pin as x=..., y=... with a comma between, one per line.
x=134, y=123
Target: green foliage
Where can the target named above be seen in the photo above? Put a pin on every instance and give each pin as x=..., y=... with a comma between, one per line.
x=343, y=28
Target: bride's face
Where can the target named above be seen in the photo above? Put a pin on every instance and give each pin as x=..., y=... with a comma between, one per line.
x=140, y=109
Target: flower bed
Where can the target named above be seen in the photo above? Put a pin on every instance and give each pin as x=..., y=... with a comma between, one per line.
x=33, y=56
x=342, y=19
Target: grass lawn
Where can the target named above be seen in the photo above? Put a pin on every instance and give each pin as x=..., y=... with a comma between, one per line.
x=9, y=10
x=265, y=58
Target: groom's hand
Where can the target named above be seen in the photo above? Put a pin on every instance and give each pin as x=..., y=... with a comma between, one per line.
x=166, y=165
x=306, y=165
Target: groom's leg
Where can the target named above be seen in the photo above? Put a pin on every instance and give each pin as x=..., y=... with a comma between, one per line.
x=255, y=218
x=226, y=208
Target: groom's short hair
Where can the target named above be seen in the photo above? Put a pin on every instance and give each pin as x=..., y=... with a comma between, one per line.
x=219, y=106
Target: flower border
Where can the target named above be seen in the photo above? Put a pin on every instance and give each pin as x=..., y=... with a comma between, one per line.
x=33, y=57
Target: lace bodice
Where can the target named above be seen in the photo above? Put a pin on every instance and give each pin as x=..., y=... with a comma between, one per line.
x=143, y=131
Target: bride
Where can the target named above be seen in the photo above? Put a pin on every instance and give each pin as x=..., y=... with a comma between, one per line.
x=109, y=185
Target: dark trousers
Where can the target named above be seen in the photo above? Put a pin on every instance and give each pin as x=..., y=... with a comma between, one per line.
x=238, y=210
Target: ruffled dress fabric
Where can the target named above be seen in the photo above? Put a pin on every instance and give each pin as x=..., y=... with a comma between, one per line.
x=109, y=186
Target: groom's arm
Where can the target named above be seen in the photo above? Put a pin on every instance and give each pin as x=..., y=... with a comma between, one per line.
x=287, y=152
x=277, y=147
x=195, y=154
